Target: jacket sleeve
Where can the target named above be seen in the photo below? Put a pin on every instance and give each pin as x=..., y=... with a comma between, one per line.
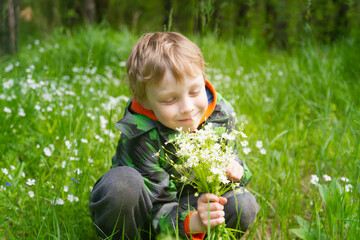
x=142, y=153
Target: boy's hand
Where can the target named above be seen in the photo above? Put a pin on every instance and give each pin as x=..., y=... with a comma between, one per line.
x=210, y=210
x=234, y=171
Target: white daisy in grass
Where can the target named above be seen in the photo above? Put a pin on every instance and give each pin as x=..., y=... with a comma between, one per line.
x=348, y=188
x=259, y=144
x=345, y=179
x=314, y=179
x=263, y=151
x=246, y=150
x=30, y=182
x=31, y=194
x=327, y=178
x=59, y=201
x=5, y=171
x=47, y=151
x=7, y=110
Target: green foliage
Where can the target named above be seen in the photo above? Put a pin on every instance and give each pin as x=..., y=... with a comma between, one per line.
x=340, y=220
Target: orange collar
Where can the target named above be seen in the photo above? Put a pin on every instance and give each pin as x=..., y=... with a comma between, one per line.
x=139, y=109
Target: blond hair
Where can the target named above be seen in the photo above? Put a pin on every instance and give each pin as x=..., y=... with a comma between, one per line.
x=155, y=53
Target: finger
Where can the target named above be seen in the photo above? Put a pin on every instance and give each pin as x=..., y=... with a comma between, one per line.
x=214, y=222
x=208, y=207
x=211, y=215
x=222, y=200
x=208, y=197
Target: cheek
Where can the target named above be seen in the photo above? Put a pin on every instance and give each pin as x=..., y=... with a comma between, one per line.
x=203, y=102
x=164, y=112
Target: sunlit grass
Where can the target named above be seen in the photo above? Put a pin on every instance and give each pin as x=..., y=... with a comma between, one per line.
x=60, y=98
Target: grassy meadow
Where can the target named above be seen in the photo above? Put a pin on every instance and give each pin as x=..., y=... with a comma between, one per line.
x=61, y=95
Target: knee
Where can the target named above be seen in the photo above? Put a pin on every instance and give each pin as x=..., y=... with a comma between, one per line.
x=241, y=210
x=247, y=209
x=120, y=185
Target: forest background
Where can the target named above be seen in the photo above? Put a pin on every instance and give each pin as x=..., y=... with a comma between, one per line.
x=277, y=23
x=290, y=68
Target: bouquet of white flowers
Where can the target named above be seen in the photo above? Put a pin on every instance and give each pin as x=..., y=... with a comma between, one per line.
x=204, y=155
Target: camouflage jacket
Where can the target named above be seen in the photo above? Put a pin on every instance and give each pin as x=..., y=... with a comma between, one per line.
x=141, y=138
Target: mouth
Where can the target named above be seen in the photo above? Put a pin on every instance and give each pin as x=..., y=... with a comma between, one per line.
x=190, y=120
x=187, y=120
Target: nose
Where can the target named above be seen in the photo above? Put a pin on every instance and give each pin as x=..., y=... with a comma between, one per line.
x=186, y=106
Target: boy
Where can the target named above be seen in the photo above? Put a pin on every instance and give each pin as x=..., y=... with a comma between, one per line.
x=167, y=75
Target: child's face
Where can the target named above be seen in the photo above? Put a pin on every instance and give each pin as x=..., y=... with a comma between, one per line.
x=178, y=103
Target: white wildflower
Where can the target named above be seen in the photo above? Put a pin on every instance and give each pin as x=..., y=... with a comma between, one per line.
x=8, y=84
x=63, y=164
x=70, y=197
x=77, y=171
x=344, y=179
x=263, y=151
x=259, y=144
x=21, y=112
x=244, y=143
x=243, y=135
x=267, y=99
x=183, y=179
x=83, y=140
x=314, y=179
x=348, y=188
x=246, y=151
x=5, y=171
x=47, y=151
x=68, y=144
x=31, y=194
x=327, y=178
x=66, y=188
x=59, y=201
x=30, y=182
x=9, y=67
x=7, y=110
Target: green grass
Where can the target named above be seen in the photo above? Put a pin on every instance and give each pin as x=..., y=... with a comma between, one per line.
x=66, y=91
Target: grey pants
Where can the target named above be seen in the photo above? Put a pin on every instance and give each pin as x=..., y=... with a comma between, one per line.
x=120, y=206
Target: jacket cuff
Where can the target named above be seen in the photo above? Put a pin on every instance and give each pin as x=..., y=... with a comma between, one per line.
x=196, y=236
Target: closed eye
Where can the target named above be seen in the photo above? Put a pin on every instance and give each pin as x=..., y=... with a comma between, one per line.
x=168, y=101
x=194, y=93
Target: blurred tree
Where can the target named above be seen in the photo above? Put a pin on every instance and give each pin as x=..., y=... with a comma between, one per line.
x=9, y=15
x=89, y=11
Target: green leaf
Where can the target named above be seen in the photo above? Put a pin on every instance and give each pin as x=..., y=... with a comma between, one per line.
x=299, y=232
